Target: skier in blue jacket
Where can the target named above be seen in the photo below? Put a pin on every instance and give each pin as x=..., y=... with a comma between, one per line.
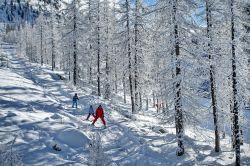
x=75, y=98
x=91, y=112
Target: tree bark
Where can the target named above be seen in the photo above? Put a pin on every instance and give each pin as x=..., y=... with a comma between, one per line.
x=41, y=42
x=212, y=80
x=140, y=101
x=98, y=50
x=178, y=105
x=129, y=57
x=107, y=59
x=52, y=41
x=235, y=93
x=74, y=46
x=147, y=103
x=157, y=105
x=116, y=81
x=153, y=99
x=124, y=87
x=136, y=29
x=53, y=53
x=90, y=44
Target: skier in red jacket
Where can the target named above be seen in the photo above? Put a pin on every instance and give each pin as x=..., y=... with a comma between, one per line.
x=99, y=114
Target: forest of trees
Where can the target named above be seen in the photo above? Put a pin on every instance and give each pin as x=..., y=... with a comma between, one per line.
x=17, y=12
x=169, y=53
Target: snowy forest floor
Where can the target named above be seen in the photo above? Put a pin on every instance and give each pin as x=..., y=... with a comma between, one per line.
x=35, y=107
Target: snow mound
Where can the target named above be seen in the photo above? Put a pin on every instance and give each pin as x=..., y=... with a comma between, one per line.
x=73, y=138
x=30, y=108
x=56, y=116
x=11, y=114
x=159, y=129
x=47, y=118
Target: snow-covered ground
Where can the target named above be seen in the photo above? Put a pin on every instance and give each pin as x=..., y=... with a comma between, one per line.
x=36, y=114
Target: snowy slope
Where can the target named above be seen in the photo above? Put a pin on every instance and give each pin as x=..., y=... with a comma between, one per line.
x=36, y=109
x=27, y=111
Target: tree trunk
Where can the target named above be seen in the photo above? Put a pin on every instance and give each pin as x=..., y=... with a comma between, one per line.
x=129, y=57
x=74, y=46
x=116, y=81
x=107, y=83
x=52, y=41
x=178, y=105
x=162, y=99
x=153, y=99
x=147, y=103
x=90, y=74
x=53, y=53
x=234, y=86
x=157, y=105
x=232, y=124
x=124, y=87
x=166, y=101
x=136, y=29
x=98, y=50
x=215, y=111
x=107, y=86
x=212, y=80
x=90, y=45
x=140, y=101
x=41, y=43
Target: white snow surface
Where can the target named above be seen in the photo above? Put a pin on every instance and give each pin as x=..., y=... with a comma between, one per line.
x=35, y=106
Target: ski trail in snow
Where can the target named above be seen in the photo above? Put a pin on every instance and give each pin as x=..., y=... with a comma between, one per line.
x=130, y=135
x=125, y=141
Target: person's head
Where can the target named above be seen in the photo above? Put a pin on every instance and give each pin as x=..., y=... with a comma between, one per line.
x=75, y=94
x=91, y=106
x=100, y=106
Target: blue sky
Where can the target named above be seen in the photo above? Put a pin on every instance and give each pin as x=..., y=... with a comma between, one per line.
x=198, y=18
x=150, y=2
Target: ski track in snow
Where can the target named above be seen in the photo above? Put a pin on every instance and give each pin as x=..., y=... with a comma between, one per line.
x=37, y=105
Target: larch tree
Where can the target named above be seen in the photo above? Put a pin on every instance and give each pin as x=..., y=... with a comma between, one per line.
x=98, y=31
x=137, y=49
x=125, y=22
x=178, y=105
x=72, y=24
x=235, y=103
x=129, y=54
x=211, y=72
x=108, y=47
x=182, y=73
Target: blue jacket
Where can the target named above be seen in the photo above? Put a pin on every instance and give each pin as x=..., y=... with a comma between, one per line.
x=75, y=98
x=91, y=110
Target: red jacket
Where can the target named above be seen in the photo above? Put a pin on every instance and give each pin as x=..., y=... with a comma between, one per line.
x=99, y=112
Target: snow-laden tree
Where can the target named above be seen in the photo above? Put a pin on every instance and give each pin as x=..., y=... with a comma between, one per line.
x=72, y=24
x=239, y=62
x=138, y=25
x=227, y=50
x=209, y=50
x=21, y=39
x=41, y=26
x=180, y=75
x=115, y=60
x=107, y=46
x=126, y=30
x=89, y=40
